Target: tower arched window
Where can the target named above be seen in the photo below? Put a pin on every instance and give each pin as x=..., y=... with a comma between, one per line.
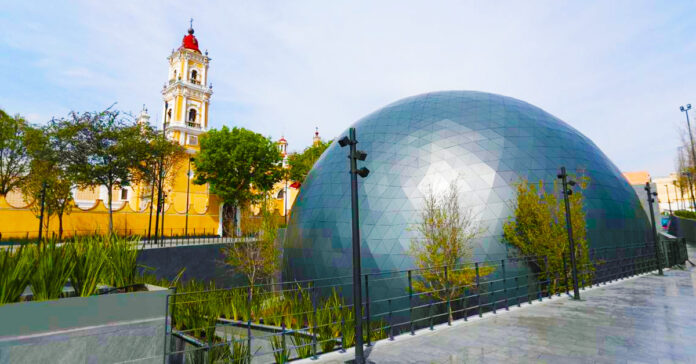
x=194, y=75
x=281, y=194
x=192, y=116
x=169, y=115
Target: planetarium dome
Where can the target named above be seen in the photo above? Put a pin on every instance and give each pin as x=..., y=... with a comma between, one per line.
x=485, y=143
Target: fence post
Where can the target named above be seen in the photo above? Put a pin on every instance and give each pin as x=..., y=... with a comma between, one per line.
x=502, y=264
x=410, y=301
x=367, y=307
x=314, y=323
x=548, y=276
x=466, y=303
x=343, y=329
x=282, y=336
x=449, y=303
x=565, y=274
x=478, y=290
x=517, y=291
x=249, y=321
x=391, y=325
x=491, y=295
x=430, y=309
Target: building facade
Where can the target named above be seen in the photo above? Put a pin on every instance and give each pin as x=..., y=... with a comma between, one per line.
x=189, y=209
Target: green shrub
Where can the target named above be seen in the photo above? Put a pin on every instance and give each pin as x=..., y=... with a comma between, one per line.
x=686, y=214
x=90, y=260
x=122, y=254
x=281, y=353
x=302, y=344
x=15, y=272
x=52, y=270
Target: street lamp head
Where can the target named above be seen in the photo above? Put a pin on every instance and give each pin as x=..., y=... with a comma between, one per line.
x=572, y=183
x=681, y=108
x=569, y=192
x=688, y=106
x=344, y=141
x=360, y=155
x=363, y=172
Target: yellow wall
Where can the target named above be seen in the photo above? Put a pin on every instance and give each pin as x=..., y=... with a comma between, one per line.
x=21, y=221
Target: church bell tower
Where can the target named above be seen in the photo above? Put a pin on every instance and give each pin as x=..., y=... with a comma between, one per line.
x=186, y=96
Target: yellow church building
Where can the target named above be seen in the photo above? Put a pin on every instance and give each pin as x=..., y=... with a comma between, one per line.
x=189, y=209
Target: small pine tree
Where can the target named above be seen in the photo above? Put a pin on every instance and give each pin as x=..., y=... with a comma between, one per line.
x=446, y=233
x=538, y=228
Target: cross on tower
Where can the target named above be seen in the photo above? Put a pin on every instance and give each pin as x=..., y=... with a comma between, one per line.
x=191, y=23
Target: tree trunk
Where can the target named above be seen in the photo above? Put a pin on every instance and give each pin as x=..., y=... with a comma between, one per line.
x=60, y=226
x=111, y=211
x=152, y=200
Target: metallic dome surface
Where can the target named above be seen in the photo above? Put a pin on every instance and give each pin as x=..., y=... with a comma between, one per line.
x=485, y=143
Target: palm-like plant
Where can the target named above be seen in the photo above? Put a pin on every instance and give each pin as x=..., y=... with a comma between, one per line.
x=90, y=260
x=52, y=270
x=15, y=272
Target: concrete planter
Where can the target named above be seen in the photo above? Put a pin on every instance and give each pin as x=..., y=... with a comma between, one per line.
x=683, y=228
x=97, y=329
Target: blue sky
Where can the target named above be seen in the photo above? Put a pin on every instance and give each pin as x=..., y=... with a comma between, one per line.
x=615, y=70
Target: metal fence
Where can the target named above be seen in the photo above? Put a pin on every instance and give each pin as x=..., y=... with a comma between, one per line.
x=169, y=238
x=290, y=320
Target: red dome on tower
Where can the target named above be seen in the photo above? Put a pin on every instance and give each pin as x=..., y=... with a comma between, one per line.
x=190, y=41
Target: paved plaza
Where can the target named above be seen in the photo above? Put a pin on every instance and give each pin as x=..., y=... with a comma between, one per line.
x=645, y=319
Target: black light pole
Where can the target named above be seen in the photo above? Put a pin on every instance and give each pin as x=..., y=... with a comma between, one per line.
x=651, y=200
x=354, y=156
x=188, y=188
x=563, y=176
x=669, y=203
x=688, y=125
x=285, y=201
x=164, y=198
x=41, y=216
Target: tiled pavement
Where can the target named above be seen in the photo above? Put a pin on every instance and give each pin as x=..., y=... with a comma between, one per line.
x=646, y=319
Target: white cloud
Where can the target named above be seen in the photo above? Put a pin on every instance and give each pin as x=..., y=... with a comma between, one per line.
x=614, y=70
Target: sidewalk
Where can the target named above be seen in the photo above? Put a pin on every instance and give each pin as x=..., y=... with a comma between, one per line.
x=645, y=319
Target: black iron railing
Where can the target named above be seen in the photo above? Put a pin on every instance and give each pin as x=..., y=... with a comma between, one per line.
x=168, y=237
x=290, y=320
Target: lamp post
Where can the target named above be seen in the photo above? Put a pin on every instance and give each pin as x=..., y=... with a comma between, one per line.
x=563, y=176
x=354, y=156
x=285, y=201
x=688, y=125
x=669, y=203
x=188, y=189
x=651, y=200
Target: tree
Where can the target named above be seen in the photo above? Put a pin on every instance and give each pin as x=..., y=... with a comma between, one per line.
x=162, y=160
x=240, y=165
x=301, y=163
x=446, y=231
x=102, y=148
x=14, y=160
x=48, y=180
x=257, y=260
x=538, y=228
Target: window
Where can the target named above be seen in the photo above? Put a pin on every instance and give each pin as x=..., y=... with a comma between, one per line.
x=169, y=115
x=124, y=194
x=193, y=140
x=281, y=194
x=194, y=75
x=192, y=116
